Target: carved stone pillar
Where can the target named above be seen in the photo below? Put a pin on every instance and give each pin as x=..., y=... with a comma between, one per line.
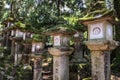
x=100, y=58
x=17, y=55
x=37, y=75
x=12, y=48
x=60, y=63
x=78, y=45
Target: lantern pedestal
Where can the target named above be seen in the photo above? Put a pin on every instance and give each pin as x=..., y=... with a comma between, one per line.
x=37, y=67
x=100, y=58
x=78, y=45
x=13, y=48
x=60, y=63
x=17, y=54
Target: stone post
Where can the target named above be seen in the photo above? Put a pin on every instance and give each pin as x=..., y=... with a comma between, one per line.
x=100, y=58
x=16, y=54
x=78, y=45
x=60, y=63
x=37, y=75
x=12, y=48
x=61, y=52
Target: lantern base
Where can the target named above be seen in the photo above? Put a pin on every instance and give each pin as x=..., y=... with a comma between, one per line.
x=102, y=45
x=100, y=58
x=60, y=63
x=60, y=52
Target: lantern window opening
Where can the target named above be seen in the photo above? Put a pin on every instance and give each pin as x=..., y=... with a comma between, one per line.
x=19, y=33
x=28, y=34
x=37, y=47
x=24, y=36
x=31, y=35
x=57, y=40
x=12, y=32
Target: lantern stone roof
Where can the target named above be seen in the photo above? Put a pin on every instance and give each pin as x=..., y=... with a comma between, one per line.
x=60, y=29
x=98, y=15
x=97, y=11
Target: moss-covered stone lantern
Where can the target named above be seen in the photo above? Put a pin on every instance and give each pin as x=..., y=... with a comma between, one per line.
x=38, y=43
x=37, y=51
x=60, y=51
x=100, y=42
x=78, y=45
x=17, y=35
x=61, y=37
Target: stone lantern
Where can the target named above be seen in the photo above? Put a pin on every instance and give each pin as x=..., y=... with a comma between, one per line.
x=60, y=51
x=37, y=50
x=78, y=45
x=37, y=47
x=18, y=33
x=100, y=42
x=16, y=36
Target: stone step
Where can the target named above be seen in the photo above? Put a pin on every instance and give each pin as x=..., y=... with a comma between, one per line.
x=46, y=72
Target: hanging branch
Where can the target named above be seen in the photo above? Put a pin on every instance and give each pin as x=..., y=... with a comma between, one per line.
x=58, y=7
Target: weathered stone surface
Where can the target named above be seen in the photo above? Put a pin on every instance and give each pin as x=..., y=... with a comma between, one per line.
x=58, y=52
x=37, y=69
x=60, y=63
x=101, y=45
x=100, y=58
x=100, y=65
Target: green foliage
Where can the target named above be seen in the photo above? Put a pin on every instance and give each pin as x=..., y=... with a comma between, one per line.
x=20, y=25
x=18, y=72
x=85, y=70
x=74, y=24
x=115, y=66
x=2, y=49
x=41, y=15
x=39, y=38
x=96, y=14
x=87, y=79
